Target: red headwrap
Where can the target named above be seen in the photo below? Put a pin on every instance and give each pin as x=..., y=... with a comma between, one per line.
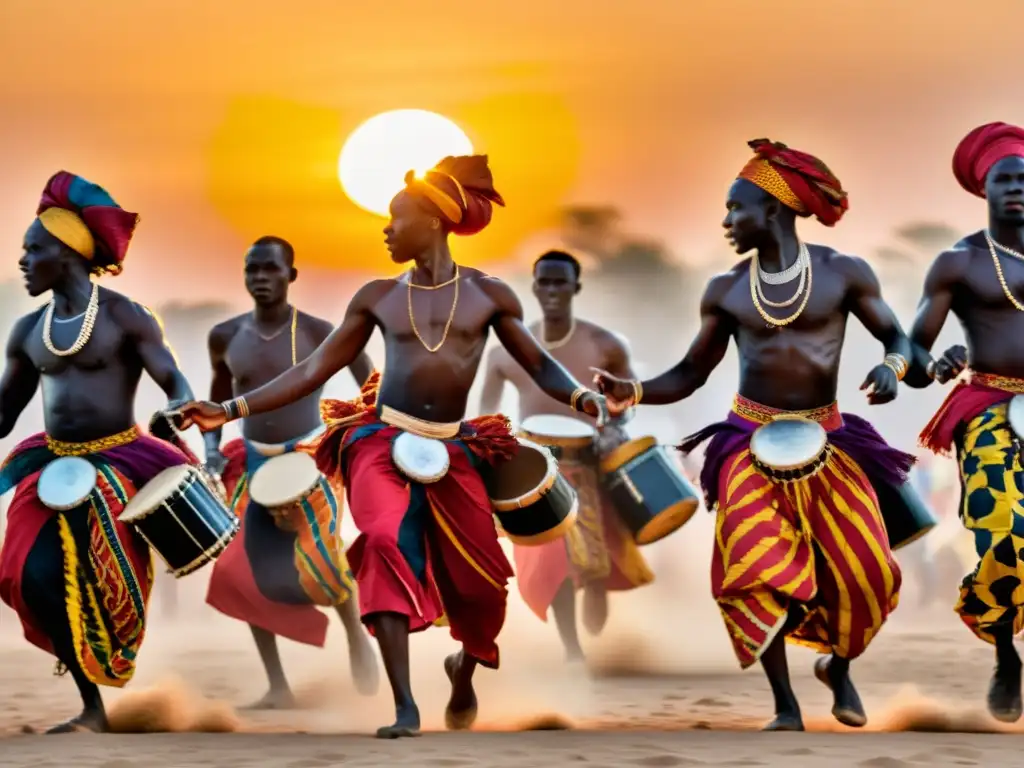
x=86, y=219
x=798, y=180
x=462, y=189
x=982, y=148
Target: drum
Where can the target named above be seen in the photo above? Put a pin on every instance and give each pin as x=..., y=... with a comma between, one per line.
x=182, y=518
x=1015, y=415
x=66, y=482
x=789, y=448
x=566, y=438
x=283, y=484
x=648, y=489
x=421, y=459
x=534, y=504
x=907, y=518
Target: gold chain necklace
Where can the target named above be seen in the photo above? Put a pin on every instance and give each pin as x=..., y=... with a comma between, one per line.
x=771, y=321
x=550, y=345
x=451, y=315
x=999, y=273
x=84, y=334
x=275, y=334
x=1005, y=249
x=802, y=258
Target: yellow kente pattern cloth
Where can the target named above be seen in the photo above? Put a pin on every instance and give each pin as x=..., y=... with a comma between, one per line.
x=992, y=508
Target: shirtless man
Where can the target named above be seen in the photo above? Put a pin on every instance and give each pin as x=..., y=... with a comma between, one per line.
x=257, y=578
x=981, y=281
x=818, y=569
x=423, y=545
x=88, y=347
x=597, y=554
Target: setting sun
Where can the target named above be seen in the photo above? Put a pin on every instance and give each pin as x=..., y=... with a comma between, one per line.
x=378, y=153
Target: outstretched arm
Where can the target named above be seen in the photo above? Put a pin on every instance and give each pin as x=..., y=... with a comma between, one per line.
x=20, y=379
x=864, y=297
x=546, y=372
x=689, y=374
x=144, y=328
x=339, y=350
x=494, y=382
x=932, y=310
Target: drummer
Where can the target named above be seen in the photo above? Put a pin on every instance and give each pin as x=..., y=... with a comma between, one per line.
x=256, y=579
x=980, y=280
x=422, y=544
x=79, y=579
x=597, y=554
x=809, y=560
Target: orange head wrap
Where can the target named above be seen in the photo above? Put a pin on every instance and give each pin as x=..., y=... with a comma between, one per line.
x=797, y=180
x=462, y=190
x=982, y=148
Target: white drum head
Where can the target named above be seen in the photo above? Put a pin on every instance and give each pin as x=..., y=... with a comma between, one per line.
x=1015, y=415
x=553, y=425
x=66, y=482
x=153, y=493
x=284, y=479
x=788, y=443
x=420, y=458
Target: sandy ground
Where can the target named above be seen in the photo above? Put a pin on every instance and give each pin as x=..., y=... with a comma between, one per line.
x=663, y=690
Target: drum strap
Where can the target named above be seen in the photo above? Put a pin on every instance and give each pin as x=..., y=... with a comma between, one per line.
x=406, y=423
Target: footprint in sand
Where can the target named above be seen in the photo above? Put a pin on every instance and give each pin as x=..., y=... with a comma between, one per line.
x=707, y=701
x=664, y=761
x=883, y=761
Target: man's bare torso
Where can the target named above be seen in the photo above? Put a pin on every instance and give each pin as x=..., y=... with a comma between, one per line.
x=432, y=385
x=91, y=394
x=993, y=327
x=253, y=361
x=795, y=367
x=587, y=348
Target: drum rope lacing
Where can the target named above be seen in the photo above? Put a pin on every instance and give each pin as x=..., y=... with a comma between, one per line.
x=84, y=334
x=451, y=315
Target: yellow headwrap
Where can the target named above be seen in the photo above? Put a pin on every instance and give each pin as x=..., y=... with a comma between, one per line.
x=68, y=227
x=760, y=172
x=447, y=204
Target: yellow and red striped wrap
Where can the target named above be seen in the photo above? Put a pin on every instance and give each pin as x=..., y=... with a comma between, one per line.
x=816, y=546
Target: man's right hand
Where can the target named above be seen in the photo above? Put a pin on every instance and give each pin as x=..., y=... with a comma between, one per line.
x=618, y=392
x=203, y=414
x=951, y=364
x=215, y=462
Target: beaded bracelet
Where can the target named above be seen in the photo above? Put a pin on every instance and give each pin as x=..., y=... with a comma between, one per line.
x=236, y=409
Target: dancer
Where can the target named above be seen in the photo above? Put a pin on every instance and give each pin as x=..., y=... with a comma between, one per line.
x=981, y=281
x=270, y=578
x=597, y=554
x=79, y=579
x=422, y=545
x=806, y=560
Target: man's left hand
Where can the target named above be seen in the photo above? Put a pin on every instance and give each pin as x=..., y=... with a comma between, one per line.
x=881, y=385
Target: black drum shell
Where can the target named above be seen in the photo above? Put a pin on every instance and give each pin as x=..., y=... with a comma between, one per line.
x=906, y=515
x=549, y=507
x=189, y=528
x=667, y=498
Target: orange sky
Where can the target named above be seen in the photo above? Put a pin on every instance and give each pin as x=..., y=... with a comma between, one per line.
x=222, y=121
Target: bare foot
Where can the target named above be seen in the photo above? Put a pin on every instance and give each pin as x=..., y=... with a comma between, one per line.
x=460, y=714
x=276, y=698
x=846, y=706
x=90, y=721
x=1004, y=694
x=407, y=724
x=785, y=721
x=363, y=662
x=595, y=608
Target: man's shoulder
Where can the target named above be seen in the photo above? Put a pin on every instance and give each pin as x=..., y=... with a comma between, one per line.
x=24, y=324
x=317, y=325
x=601, y=335
x=373, y=291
